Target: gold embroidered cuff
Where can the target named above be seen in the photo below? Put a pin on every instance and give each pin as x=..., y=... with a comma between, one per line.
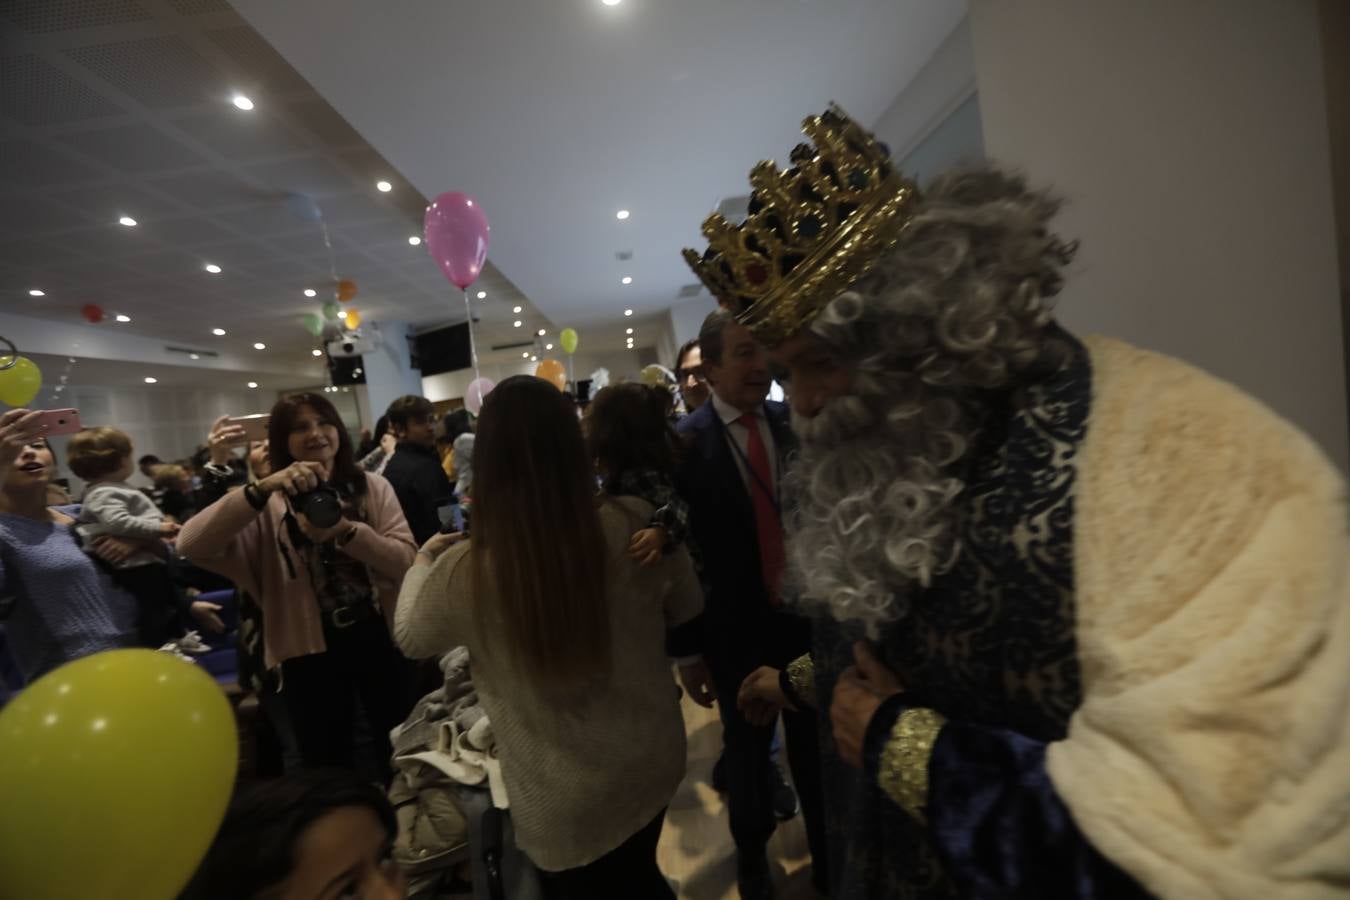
x=801, y=676
x=903, y=771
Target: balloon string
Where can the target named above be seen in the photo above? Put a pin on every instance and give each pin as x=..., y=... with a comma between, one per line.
x=332, y=261
x=473, y=344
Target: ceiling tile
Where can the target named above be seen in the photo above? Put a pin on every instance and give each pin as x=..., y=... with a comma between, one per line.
x=310, y=175
x=271, y=217
x=324, y=122
x=190, y=231
x=25, y=164
x=35, y=92
x=161, y=71
x=134, y=149
x=40, y=16
x=199, y=7
x=35, y=253
x=256, y=57
x=241, y=137
x=108, y=202
x=208, y=190
x=33, y=215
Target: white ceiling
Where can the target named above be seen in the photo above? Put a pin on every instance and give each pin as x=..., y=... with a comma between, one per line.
x=557, y=113
x=121, y=107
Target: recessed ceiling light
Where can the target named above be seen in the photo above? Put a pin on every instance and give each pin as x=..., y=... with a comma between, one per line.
x=627, y=312
x=627, y=279
x=516, y=310
x=194, y=356
x=37, y=293
x=482, y=295
x=548, y=346
x=611, y=2
x=516, y=323
x=123, y=318
x=621, y=214
x=383, y=187
x=542, y=331
x=259, y=346
x=525, y=355
x=253, y=384
x=534, y=359
x=242, y=102
x=310, y=292
x=127, y=221
x=316, y=352
x=630, y=331
x=218, y=332
x=150, y=380
x=213, y=268
x=414, y=240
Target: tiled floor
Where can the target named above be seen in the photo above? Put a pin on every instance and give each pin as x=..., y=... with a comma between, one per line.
x=696, y=852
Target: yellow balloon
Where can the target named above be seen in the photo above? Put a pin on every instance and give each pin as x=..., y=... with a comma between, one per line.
x=116, y=772
x=568, y=338
x=353, y=318
x=19, y=383
x=553, y=372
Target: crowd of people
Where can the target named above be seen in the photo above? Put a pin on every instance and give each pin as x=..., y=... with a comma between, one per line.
x=1034, y=613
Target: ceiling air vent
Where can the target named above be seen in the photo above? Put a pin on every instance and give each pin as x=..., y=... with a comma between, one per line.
x=624, y=255
x=690, y=290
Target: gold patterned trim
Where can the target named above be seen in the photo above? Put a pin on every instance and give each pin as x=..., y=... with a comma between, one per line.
x=903, y=773
x=801, y=673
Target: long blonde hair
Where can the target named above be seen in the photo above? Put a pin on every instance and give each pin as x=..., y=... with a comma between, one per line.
x=538, y=541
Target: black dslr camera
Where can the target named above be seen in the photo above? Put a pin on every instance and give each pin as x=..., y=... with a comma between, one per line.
x=321, y=506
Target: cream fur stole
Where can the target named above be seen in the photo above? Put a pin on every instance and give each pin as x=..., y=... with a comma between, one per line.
x=1211, y=754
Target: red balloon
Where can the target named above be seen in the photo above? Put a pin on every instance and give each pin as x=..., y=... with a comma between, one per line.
x=457, y=236
x=346, y=290
x=92, y=313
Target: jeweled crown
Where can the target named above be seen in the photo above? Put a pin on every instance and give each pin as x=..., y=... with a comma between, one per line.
x=812, y=230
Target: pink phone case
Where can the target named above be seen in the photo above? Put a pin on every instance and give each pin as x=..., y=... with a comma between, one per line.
x=60, y=421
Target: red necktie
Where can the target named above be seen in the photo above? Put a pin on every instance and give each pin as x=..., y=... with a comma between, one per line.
x=768, y=527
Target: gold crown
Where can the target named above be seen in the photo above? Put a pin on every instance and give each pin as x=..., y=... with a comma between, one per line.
x=812, y=230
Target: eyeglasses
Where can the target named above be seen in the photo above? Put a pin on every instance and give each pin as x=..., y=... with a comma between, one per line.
x=695, y=371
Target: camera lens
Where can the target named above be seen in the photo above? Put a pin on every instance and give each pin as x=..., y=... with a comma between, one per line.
x=322, y=508
x=348, y=346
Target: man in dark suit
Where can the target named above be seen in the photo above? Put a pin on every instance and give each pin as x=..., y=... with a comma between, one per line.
x=415, y=470
x=737, y=450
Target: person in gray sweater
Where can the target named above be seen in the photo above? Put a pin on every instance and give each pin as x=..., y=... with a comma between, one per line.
x=102, y=457
x=567, y=637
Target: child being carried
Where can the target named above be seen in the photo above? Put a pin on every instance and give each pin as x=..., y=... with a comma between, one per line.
x=102, y=457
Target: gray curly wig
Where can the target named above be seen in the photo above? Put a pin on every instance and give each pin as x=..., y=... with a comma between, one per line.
x=957, y=310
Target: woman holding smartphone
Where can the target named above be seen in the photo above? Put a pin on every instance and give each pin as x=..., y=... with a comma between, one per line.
x=567, y=637
x=61, y=604
x=327, y=593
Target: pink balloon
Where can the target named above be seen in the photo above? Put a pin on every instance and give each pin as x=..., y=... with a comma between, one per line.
x=457, y=236
x=476, y=391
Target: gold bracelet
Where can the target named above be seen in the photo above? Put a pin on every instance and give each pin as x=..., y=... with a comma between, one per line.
x=801, y=674
x=903, y=773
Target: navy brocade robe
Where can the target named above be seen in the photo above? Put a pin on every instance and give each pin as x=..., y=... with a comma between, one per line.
x=991, y=646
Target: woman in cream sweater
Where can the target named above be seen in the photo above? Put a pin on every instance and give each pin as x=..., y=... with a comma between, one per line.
x=567, y=639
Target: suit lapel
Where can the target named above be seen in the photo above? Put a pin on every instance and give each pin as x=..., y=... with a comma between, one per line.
x=716, y=451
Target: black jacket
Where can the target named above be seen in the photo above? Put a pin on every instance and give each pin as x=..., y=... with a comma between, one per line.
x=419, y=482
x=739, y=630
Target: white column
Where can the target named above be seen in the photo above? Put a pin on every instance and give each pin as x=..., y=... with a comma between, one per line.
x=1189, y=138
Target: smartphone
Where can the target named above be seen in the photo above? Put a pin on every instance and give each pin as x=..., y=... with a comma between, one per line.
x=60, y=421
x=452, y=519
x=255, y=426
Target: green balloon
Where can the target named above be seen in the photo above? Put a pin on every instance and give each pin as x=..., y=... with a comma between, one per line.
x=331, y=310
x=313, y=324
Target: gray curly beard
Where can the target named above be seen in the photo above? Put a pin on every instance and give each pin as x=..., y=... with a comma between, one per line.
x=874, y=514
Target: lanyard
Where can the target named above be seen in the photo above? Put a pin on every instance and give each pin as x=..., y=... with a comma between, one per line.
x=773, y=495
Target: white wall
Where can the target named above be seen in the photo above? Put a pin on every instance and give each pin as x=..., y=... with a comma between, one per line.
x=168, y=422
x=686, y=318
x=620, y=363
x=388, y=370
x=1190, y=140
x=944, y=83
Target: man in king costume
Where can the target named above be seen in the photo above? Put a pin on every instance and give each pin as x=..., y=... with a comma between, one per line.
x=1081, y=612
